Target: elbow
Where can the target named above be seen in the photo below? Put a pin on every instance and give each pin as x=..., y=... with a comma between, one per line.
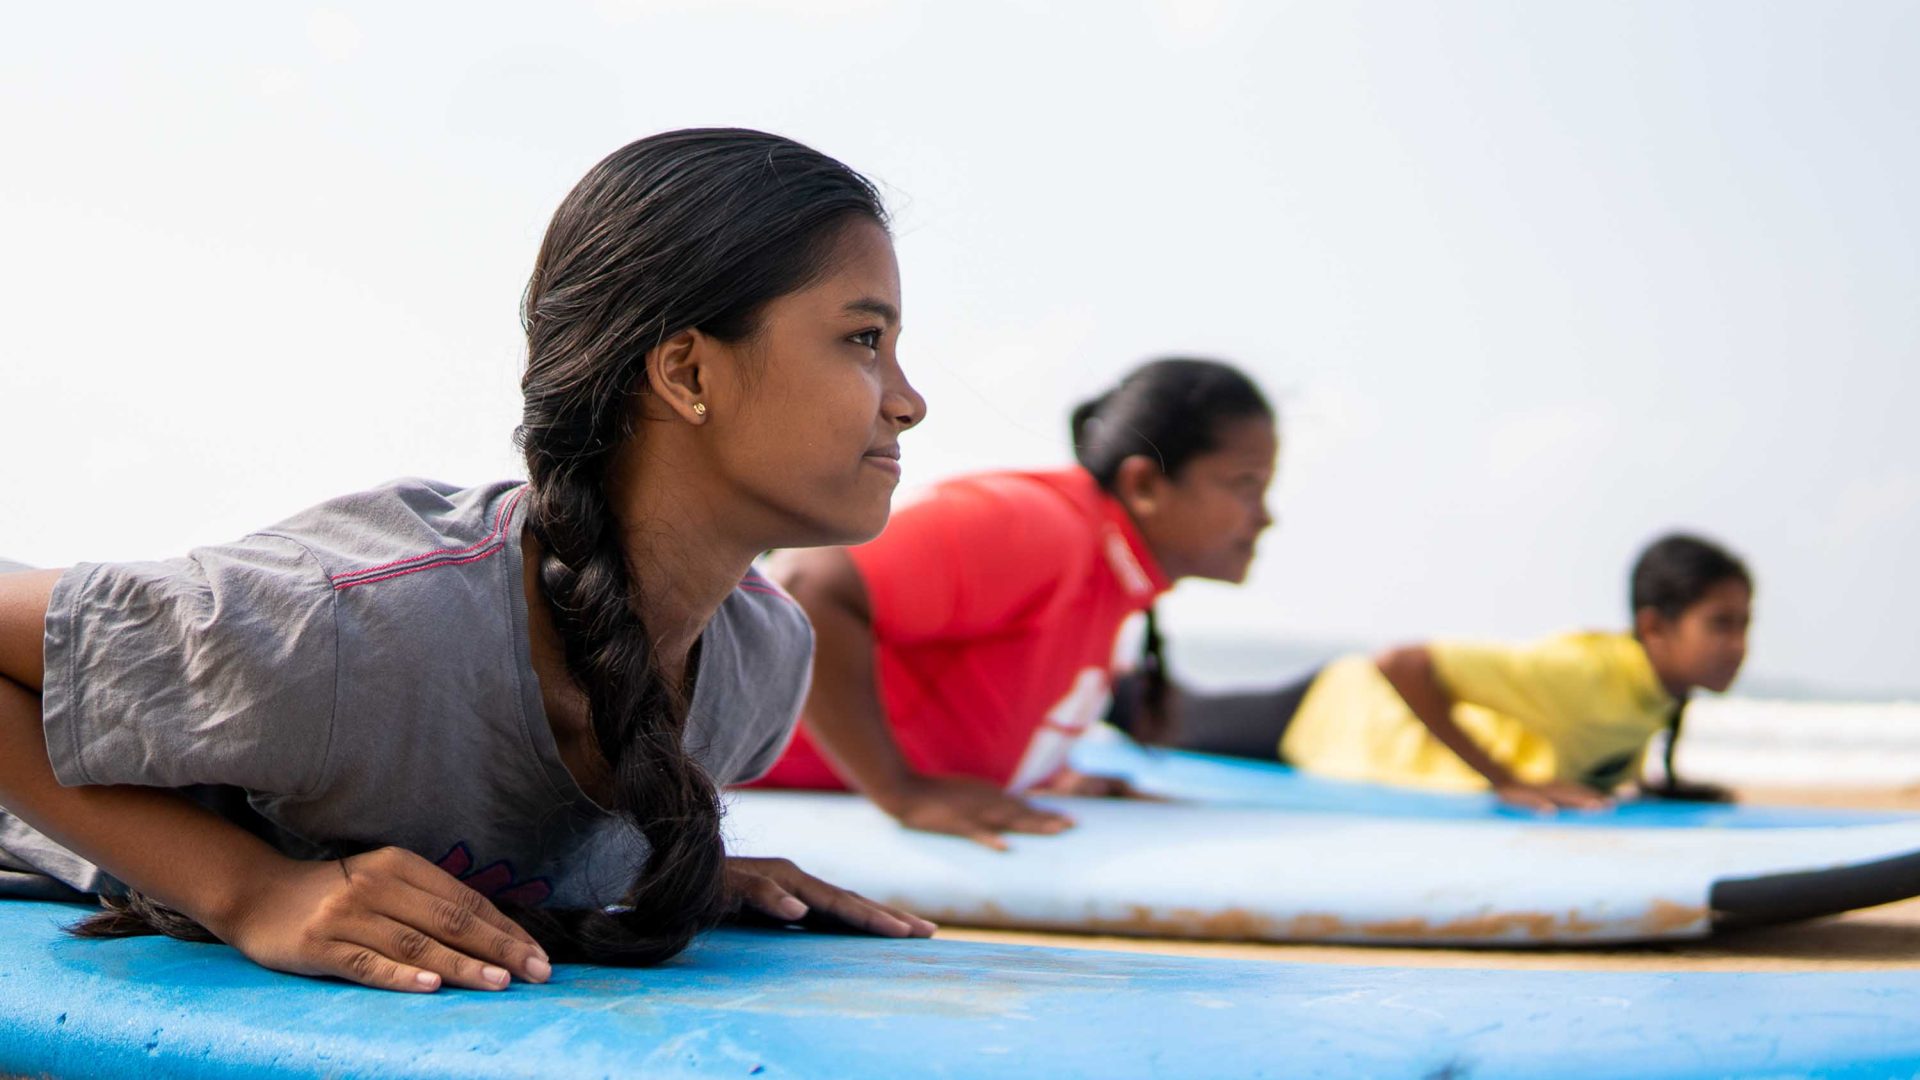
x=1405, y=663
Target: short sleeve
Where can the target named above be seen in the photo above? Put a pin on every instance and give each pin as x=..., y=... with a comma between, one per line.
x=765, y=757
x=1542, y=682
x=756, y=666
x=784, y=716
x=971, y=559
x=216, y=668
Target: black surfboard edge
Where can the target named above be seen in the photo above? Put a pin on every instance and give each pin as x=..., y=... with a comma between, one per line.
x=1771, y=899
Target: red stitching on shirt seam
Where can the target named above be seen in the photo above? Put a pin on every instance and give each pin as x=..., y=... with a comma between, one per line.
x=421, y=569
x=499, y=526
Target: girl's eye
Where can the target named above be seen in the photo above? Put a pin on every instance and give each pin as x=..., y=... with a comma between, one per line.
x=868, y=338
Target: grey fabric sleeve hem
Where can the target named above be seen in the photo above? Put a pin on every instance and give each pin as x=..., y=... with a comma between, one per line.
x=60, y=707
x=26, y=885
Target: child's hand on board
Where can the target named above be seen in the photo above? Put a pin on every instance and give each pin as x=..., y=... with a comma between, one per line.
x=962, y=806
x=1552, y=796
x=388, y=919
x=1087, y=786
x=785, y=893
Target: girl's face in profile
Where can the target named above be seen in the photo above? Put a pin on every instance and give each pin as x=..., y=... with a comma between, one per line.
x=1205, y=520
x=1707, y=643
x=812, y=437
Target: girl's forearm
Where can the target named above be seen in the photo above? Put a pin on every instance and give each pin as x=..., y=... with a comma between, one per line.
x=153, y=840
x=844, y=712
x=1410, y=671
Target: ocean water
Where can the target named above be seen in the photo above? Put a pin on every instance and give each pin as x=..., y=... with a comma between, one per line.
x=1763, y=741
x=1772, y=733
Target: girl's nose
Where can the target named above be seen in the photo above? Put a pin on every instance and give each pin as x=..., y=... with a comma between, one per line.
x=904, y=404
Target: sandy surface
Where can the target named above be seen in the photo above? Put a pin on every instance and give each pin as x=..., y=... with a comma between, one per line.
x=1877, y=938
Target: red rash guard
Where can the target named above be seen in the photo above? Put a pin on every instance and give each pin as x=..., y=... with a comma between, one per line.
x=996, y=600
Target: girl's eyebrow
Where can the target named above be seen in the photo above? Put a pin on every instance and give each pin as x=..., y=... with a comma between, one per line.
x=877, y=308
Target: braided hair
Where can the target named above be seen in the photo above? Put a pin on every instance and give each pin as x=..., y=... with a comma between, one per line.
x=689, y=229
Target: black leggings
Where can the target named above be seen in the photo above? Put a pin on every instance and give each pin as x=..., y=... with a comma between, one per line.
x=1246, y=724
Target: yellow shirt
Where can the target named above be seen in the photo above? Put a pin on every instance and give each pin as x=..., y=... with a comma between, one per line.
x=1574, y=707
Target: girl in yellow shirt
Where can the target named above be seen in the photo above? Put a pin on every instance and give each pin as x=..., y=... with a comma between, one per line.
x=1558, y=723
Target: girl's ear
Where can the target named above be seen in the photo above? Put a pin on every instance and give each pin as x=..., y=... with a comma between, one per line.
x=676, y=373
x=1140, y=485
x=1649, y=625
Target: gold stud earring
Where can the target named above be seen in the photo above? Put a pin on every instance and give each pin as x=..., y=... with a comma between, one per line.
x=699, y=408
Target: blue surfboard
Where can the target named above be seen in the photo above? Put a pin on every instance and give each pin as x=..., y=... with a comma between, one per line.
x=1256, y=851
x=783, y=1004
x=1179, y=774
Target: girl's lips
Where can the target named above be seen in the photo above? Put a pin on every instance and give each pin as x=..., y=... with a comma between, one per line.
x=884, y=462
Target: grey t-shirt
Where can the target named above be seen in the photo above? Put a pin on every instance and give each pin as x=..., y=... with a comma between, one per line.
x=362, y=670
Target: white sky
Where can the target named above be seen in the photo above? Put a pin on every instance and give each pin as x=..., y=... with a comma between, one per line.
x=1531, y=281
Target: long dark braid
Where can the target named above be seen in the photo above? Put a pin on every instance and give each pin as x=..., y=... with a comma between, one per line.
x=1169, y=411
x=1154, y=714
x=692, y=229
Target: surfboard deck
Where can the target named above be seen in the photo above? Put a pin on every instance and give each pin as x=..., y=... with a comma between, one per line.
x=1178, y=774
x=781, y=1004
x=1258, y=873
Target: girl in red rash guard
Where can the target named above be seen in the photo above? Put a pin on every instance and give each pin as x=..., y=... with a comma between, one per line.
x=961, y=653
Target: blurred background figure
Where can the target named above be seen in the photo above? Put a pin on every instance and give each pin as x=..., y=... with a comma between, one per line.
x=960, y=654
x=1557, y=724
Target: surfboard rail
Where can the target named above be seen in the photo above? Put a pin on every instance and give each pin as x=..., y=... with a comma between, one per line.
x=1771, y=899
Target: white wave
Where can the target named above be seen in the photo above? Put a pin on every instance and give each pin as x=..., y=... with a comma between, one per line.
x=1756, y=741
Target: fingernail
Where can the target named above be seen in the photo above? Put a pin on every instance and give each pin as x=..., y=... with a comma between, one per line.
x=427, y=979
x=539, y=968
x=791, y=908
x=493, y=974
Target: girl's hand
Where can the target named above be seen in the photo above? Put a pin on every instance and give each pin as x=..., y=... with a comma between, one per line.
x=1083, y=785
x=1552, y=796
x=783, y=892
x=961, y=806
x=388, y=919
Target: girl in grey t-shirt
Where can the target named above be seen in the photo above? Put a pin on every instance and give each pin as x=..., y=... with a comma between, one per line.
x=476, y=729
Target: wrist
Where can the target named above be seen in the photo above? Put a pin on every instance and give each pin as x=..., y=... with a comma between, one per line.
x=892, y=790
x=225, y=901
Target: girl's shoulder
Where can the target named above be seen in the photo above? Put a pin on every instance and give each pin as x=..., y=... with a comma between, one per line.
x=765, y=622
x=240, y=655
x=406, y=527
x=1034, y=510
x=1070, y=489
x=756, y=663
x=1609, y=649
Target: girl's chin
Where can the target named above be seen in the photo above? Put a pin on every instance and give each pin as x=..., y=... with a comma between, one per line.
x=1231, y=573
x=1717, y=685
x=848, y=529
